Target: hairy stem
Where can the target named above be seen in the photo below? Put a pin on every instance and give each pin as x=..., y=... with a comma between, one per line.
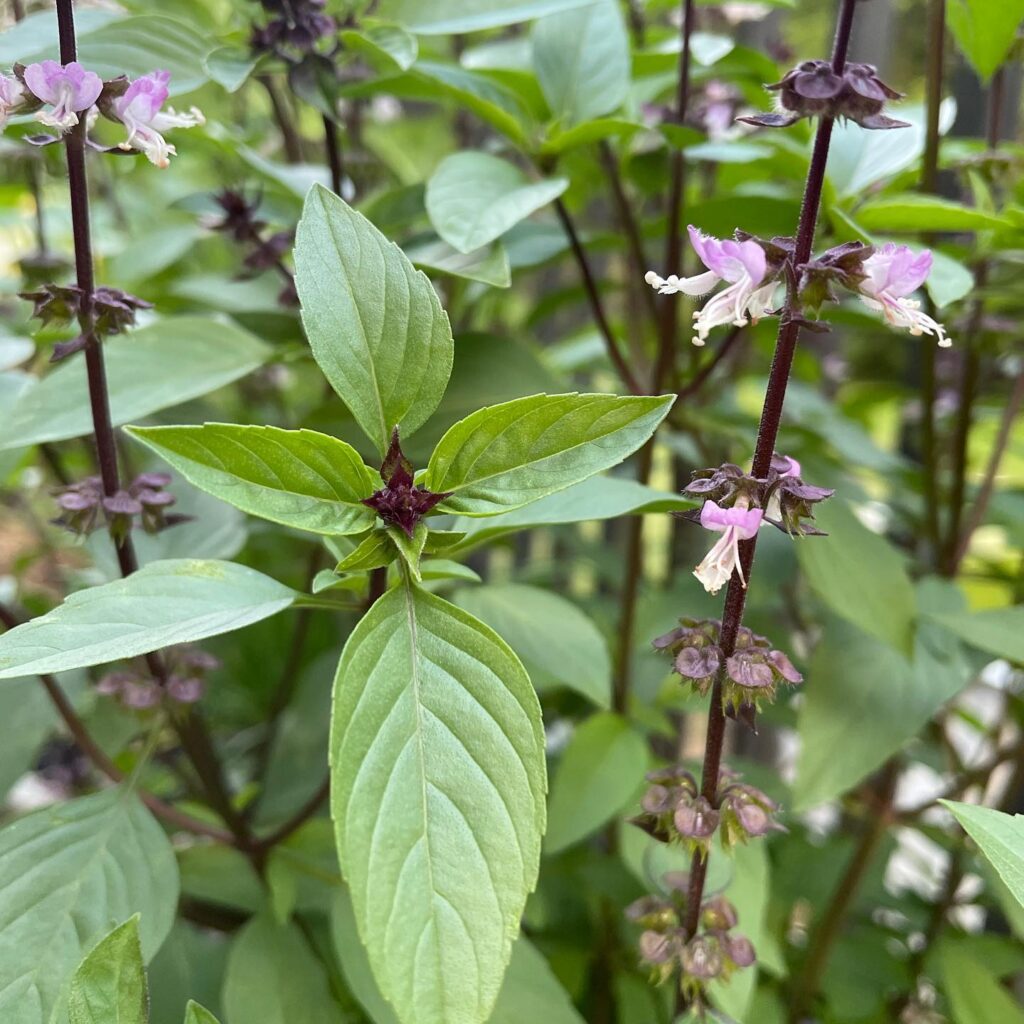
x=696, y=382
x=334, y=159
x=972, y=357
x=92, y=750
x=99, y=397
x=676, y=194
x=660, y=373
x=289, y=136
x=630, y=228
x=929, y=184
x=824, y=936
x=988, y=484
x=188, y=723
x=594, y=300
x=771, y=416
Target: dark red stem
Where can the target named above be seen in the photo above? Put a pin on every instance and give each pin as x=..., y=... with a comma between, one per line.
x=771, y=417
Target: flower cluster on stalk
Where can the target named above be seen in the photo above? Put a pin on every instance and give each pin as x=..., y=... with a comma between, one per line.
x=676, y=812
x=753, y=269
x=144, y=502
x=136, y=689
x=751, y=675
x=884, y=278
x=736, y=504
x=715, y=952
x=61, y=94
x=239, y=220
x=814, y=89
x=111, y=311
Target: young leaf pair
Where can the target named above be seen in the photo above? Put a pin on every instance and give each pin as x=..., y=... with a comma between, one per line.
x=437, y=751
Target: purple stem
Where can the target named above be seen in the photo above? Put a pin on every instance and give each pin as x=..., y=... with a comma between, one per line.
x=771, y=417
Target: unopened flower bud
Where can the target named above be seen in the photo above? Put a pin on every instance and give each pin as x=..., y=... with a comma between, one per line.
x=814, y=89
x=718, y=915
x=696, y=821
x=739, y=950
x=702, y=958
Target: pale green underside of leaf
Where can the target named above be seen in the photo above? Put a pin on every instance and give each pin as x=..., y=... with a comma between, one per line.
x=505, y=456
x=530, y=991
x=553, y=637
x=295, y=477
x=109, y=986
x=975, y=994
x=374, y=322
x=473, y=198
x=173, y=602
x=582, y=61
x=67, y=874
x=1001, y=839
x=442, y=16
x=438, y=781
x=855, y=678
x=985, y=30
x=153, y=368
x=999, y=631
x=113, y=46
x=273, y=978
x=600, y=772
x=860, y=576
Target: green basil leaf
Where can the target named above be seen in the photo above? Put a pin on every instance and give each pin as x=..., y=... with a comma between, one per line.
x=196, y=1014
x=295, y=477
x=372, y=552
x=554, y=638
x=410, y=548
x=440, y=17
x=530, y=990
x=985, y=30
x=488, y=265
x=582, y=61
x=864, y=700
x=173, y=602
x=387, y=46
x=153, y=368
x=274, y=977
x=915, y=212
x=599, y=497
x=975, y=994
x=473, y=198
x=438, y=800
x=505, y=456
x=601, y=771
x=1000, y=837
x=66, y=872
x=860, y=576
x=998, y=631
x=109, y=986
x=374, y=322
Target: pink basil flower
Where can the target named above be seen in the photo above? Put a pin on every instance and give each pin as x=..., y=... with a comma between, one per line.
x=734, y=524
x=139, y=108
x=741, y=264
x=12, y=95
x=68, y=90
x=894, y=272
